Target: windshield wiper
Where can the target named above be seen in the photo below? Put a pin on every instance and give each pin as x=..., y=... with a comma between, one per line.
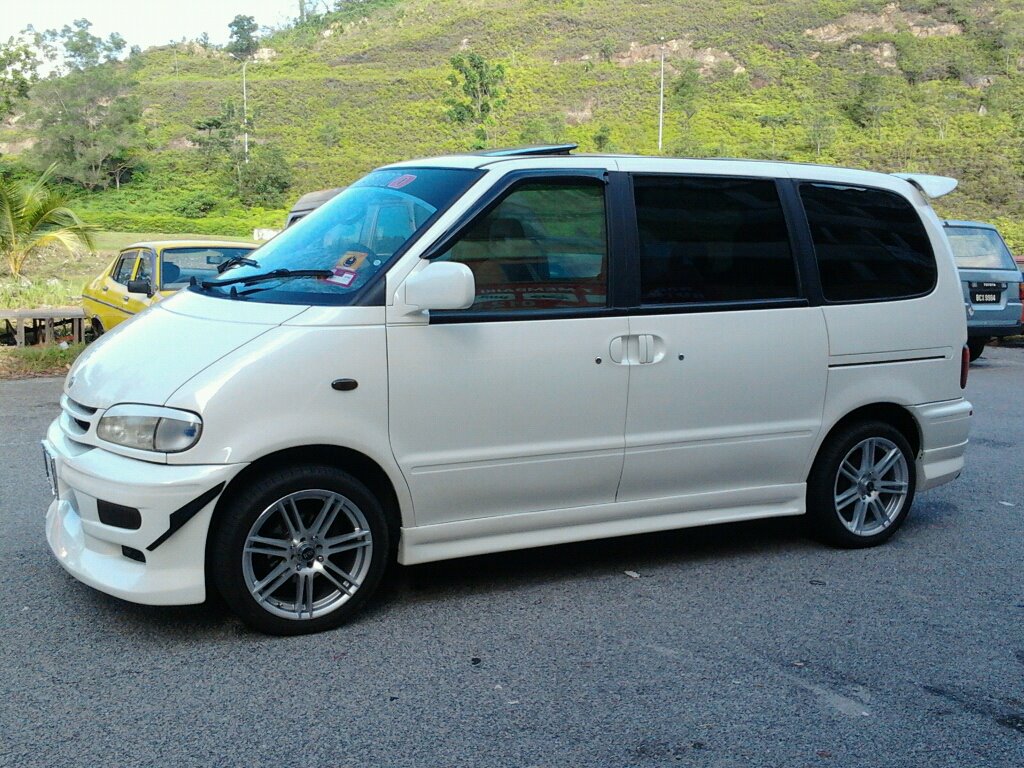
x=276, y=274
x=235, y=260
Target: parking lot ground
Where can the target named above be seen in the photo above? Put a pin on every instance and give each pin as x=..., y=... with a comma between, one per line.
x=741, y=645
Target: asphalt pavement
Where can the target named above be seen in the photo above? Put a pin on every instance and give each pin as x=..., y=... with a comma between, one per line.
x=740, y=645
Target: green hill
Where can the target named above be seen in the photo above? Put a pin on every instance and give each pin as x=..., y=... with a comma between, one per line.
x=926, y=86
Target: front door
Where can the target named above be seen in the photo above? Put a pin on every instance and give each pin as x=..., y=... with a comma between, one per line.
x=512, y=406
x=730, y=365
x=114, y=291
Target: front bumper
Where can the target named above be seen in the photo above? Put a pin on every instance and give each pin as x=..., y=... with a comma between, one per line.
x=174, y=569
x=944, y=428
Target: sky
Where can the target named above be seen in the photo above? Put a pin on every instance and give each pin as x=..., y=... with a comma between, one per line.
x=144, y=22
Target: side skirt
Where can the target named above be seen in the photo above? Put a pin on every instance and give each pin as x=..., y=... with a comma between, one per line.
x=427, y=543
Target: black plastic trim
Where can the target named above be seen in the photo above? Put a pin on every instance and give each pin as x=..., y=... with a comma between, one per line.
x=179, y=517
x=567, y=313
x=344, y=385
x=624, y=242
x=133, y=554
x=800, y=241
x=717, y=306
x=528, y=150
x=887, y=362
x=118, y=515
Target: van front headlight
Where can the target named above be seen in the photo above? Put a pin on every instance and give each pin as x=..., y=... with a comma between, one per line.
x=150, y=428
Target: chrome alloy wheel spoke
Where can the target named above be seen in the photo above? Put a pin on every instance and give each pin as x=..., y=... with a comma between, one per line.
x=346, y=542
x=287, y=557
x=871, y=491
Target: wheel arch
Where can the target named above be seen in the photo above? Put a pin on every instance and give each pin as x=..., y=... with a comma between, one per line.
x=893, y=414
x=358, y=464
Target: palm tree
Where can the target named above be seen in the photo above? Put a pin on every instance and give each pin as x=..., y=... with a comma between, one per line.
x=33, y=216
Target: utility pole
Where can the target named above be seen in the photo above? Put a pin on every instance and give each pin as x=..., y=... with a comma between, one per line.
x=245, y=109
x=661, y=101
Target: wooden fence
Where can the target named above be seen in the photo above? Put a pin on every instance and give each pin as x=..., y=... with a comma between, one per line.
x=41, y=326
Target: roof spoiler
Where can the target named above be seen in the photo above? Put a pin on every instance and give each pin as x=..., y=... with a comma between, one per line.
x=931, y=186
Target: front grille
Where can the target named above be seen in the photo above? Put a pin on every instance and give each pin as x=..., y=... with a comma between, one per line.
x=77, y=419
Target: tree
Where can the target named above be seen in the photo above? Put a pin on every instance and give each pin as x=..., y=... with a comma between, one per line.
x=870, y=102
x=18, y=70
x=820, y=130
x=243, y=36
x=478, y=92
x=218, y=134
x=773, y=123
x=685, y=87
x=602, y=138
x=90, y=127
x=264, y=179
x=76, y=48
x=543, y=130
x=33, y=216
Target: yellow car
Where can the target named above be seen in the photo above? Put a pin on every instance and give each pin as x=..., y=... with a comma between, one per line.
x=144, y=273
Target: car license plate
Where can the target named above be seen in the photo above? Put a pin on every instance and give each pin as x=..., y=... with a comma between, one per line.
x=985, y=298
x=50, y=466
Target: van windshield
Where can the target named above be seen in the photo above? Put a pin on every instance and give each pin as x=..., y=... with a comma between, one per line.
x=348, y=241
x=979, y=248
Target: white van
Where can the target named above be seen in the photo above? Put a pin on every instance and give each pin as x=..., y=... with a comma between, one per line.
x=512, y=349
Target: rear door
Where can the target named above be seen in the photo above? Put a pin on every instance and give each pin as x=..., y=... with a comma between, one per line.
x=729, y=367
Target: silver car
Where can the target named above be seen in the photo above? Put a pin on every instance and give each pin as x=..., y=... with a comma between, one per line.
x=991, y=281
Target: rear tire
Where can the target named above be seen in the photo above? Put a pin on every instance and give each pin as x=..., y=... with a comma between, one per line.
x=299, y=549
x=94, y=331
x=976, y=347
x=861, y=486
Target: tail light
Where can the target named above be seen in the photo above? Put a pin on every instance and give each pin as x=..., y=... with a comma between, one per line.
x=1020, y=289
x=965, y=366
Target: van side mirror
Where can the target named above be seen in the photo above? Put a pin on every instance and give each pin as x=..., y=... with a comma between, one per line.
x=140, y=286
x=441, y=285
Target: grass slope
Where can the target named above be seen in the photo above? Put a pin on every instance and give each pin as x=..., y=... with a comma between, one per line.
x=367, y=86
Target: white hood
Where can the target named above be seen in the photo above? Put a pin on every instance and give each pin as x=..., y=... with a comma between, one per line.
x=147, y=358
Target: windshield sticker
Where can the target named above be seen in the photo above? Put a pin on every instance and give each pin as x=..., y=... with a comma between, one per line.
x=352, y=260
x=403, y=180
x=342, y=277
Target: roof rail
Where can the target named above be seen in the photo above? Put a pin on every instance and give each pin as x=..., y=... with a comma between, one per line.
x=529, y=150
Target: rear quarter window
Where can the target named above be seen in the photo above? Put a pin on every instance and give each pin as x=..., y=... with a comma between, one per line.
x=870, y=244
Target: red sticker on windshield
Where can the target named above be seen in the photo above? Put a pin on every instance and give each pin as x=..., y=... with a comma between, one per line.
x=401, y=181
x=342, y=277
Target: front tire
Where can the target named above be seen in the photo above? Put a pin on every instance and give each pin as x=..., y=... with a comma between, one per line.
x=862, y=485
x=299, y=549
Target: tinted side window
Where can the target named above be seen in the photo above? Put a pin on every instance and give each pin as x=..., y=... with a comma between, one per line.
x=123, y=268
x=712, y=239
x=544, y=246
x=870, y=243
